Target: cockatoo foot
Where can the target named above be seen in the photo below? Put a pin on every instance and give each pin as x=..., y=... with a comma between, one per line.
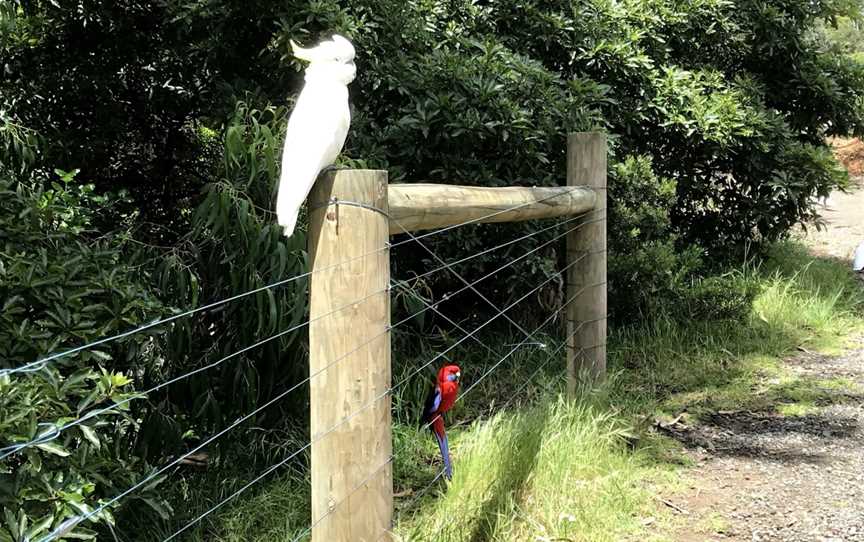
x=332, y=167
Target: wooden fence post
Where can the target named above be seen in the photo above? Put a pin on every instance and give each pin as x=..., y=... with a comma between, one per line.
x=586, y=279
x=352, y=484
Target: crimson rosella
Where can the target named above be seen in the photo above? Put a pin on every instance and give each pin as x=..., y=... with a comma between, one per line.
x=440, y=399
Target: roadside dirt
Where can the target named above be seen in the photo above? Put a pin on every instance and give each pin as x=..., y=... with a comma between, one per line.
x=850, y=152
x=843, y=215
x=761, y=476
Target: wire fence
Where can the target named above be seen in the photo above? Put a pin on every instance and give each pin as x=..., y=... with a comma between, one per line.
x=48, y=431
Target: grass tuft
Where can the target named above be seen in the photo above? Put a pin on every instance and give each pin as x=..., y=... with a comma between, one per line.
x=558, y=469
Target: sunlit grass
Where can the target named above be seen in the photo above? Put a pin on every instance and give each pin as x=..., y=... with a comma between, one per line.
x=559, y=469
x=545, y=468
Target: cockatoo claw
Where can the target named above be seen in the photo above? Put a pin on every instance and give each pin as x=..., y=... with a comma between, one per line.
x=332, y=167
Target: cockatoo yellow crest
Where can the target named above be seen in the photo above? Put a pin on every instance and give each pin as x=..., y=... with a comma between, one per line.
x=318, y=125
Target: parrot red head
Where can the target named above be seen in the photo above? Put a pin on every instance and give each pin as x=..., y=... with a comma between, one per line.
x=449, y=373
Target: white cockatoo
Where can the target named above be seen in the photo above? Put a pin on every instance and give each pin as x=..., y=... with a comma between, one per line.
x=858, y=259
x=318, y=125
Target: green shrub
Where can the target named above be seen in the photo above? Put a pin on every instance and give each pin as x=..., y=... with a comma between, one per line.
x=646, y=267
x=235, y=246
x=724, y=297
x=62, y=286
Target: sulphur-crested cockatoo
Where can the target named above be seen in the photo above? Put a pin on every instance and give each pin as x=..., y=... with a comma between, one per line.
x=318, y=125
x=858, y=258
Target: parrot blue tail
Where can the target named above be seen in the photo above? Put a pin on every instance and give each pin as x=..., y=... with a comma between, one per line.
x=445, y=455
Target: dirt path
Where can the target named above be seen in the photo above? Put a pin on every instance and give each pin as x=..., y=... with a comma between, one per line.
x=762, y=476
x=844, y=220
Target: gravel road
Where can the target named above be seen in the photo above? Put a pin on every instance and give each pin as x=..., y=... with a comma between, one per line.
x=765, y=477
x=762, y=476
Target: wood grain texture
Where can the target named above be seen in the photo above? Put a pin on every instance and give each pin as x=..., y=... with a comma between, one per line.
x=351, y=475
x=423, y=206
x=586, y=279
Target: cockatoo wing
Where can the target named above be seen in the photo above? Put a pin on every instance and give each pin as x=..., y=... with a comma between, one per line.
x=316, y=133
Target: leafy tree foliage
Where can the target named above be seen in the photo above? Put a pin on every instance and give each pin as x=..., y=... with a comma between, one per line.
x=847, y=34
x=234, y=247
x=62, y=284
x=730, y=99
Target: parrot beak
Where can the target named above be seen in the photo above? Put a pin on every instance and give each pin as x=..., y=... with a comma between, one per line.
x=458, y=376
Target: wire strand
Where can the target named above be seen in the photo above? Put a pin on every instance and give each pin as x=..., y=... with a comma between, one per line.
x=550, y=356
x=9, y=450
x=55, y=432
x=452, y=322
x=345, y=420
x=574, y=262
x=581, y=224
x=383, y=394
x=42, y=362
x=263, y=475
x=345, y=498
x=512, y=350
x=389, y=390
x=457, y=275
x=393, y=387
x=417, y=496
x=545, y=322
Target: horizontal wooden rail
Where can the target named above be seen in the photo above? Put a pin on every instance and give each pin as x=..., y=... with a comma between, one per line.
x=424, y=206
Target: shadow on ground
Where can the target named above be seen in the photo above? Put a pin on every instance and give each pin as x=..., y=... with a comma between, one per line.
x=735, y=434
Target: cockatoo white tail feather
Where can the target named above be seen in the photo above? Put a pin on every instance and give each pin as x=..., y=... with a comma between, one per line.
x=318, y=125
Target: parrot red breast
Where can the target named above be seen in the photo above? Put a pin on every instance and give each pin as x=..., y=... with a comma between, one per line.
x=439, y=401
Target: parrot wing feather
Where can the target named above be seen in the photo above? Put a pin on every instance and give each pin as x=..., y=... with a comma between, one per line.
x=433, y=401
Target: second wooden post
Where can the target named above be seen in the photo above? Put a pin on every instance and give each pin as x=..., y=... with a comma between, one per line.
x=349, y=357
x=586, y=278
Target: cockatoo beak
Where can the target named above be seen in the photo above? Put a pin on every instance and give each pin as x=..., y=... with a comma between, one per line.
x=301, y=52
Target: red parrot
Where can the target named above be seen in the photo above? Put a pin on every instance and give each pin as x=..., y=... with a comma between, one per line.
x=440, y=399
